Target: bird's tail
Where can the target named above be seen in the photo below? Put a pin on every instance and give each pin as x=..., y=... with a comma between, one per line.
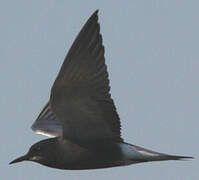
x=173, y=157
x=138, y=154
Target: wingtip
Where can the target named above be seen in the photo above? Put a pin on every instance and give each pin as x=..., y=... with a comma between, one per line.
x=96, y=11
x=93, y=17
x=95, y=14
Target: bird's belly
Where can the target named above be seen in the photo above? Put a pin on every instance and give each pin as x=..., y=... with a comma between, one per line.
x=75, y=157
x=91, y=162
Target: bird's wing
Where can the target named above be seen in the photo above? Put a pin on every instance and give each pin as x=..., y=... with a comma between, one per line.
x=47, y=123
x=80, y=95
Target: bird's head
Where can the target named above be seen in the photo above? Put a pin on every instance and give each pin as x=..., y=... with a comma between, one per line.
x=42, y=152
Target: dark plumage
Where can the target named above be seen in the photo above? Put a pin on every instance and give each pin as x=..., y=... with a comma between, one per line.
x=81, y=115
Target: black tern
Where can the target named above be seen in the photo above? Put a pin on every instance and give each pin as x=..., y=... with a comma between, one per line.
x=81, y=116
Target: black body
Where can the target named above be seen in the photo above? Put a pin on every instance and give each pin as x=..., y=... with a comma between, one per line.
x=81, y=114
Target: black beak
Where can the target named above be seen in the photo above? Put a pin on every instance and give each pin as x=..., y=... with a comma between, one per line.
x=22, y=158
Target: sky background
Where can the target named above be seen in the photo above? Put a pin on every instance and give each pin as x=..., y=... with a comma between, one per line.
x=151, y=49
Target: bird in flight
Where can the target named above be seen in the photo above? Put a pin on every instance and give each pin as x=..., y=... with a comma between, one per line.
x=81, y=117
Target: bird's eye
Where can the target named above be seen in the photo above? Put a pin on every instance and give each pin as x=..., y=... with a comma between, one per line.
x=38, y=148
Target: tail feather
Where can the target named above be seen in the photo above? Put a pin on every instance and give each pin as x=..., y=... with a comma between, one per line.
x=174, y=157
x=137, y=154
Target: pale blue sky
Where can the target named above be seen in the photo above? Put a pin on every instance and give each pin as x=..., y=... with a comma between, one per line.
x=151, y=49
